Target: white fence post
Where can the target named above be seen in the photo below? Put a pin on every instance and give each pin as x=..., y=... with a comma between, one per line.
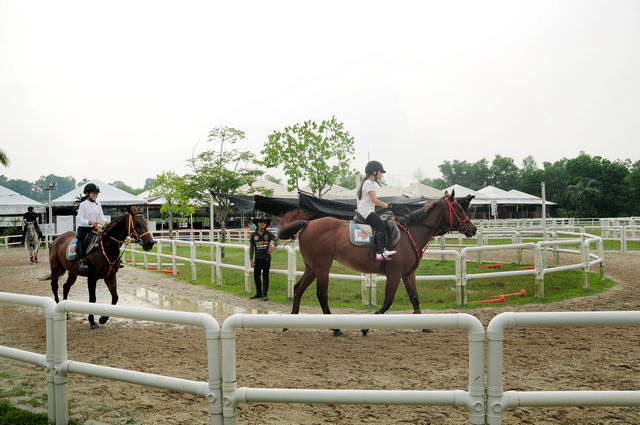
x=291, y=267
x=174, y=252
x=247, y=271
x=194, y=272
x=218, y=262
x=539, y=267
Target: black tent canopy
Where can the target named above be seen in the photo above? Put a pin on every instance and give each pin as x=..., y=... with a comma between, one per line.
x=342, y=209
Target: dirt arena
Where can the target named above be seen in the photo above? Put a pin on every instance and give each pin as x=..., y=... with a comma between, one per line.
x=534, y=359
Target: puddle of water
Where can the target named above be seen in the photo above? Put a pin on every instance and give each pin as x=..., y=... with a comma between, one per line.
x=151, y=298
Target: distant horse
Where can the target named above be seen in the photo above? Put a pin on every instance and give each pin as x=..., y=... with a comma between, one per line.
x=32, y=241
x=104, y=260
x=325, y=239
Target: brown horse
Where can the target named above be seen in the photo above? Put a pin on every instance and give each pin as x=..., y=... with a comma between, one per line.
x=104, y=260
x=325, y=239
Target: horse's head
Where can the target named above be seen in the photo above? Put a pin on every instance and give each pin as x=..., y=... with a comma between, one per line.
x=138, y=229
x=458, y=218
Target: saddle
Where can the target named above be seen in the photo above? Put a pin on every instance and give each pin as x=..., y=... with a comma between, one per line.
x=91, y=242
x=361, y=233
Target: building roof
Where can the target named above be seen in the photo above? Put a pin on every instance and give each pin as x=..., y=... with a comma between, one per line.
x=109, y=196
x=13, y=203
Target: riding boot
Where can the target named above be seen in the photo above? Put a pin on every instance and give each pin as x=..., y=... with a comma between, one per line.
x=80, y=255
x=379, y=238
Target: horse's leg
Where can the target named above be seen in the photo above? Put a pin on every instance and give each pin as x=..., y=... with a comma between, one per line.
x=322, y=293
x=298, y=290
x=91, y=284
x=389, y=293
x=112, y=284
x=412, y=290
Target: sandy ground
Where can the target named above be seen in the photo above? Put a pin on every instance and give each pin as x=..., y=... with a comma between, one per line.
x=534, y=359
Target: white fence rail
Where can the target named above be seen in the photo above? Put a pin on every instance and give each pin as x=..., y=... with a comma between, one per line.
x=581, y=243
x=222, y=391
x=498, y=400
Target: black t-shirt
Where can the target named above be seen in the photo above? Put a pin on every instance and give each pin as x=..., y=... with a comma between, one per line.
x=260, y=244
x=30, y=216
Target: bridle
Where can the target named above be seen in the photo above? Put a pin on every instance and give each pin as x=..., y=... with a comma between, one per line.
x=132, y=233
x=454, y=213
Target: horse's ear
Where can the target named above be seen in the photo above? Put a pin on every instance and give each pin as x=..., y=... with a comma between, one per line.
x=453, y=195
x=446, y=193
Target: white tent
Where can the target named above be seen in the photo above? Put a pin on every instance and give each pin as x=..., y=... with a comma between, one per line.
x=12, y=203
x=527, y=198
x=261, y=186
x=109, y=196
x=421, y=190
x=461, y=192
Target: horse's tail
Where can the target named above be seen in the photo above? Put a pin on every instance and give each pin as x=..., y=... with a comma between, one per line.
x=293, y=222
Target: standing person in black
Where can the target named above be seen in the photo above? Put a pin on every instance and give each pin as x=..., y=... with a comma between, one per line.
x=30, y=217
x=261, y=244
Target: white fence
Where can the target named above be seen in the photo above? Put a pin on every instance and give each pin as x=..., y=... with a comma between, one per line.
x=557, y=244
x=224, y=396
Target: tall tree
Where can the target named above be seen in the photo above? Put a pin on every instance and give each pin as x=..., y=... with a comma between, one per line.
x=504, y=172
x=176, y=193
x=222, y=170
x=317, y=153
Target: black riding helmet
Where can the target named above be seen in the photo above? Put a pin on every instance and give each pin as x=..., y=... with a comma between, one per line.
x=373, y=166
x=91, y=187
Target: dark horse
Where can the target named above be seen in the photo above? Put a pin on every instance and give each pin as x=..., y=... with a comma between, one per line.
x=104, y=259
x=325, y=239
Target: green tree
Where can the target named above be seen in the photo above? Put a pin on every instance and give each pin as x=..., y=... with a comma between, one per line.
x=148, y=184
x=504, y=172
x=317, y=153
x=348, y=182
x=272, y=179
x=581, y=196
x=123, y=186
x=222, y=170
x=176, y=192
x=4, y=159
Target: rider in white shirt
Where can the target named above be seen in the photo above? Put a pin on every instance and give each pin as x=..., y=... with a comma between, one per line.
x=89, y=215
x=367, y=201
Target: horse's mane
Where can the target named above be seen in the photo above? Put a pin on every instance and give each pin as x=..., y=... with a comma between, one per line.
x=115, y=222
x=416, y=216
x=295, y=215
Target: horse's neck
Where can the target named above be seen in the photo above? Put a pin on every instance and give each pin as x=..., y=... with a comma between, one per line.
x=426, y=229
x=117, y=231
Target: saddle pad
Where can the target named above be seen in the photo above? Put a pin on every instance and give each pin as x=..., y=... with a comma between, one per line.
x=91, y=243
x=360, y=234
x=71, y=249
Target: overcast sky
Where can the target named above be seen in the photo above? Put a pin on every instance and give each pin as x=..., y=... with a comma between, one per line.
x=124, y=90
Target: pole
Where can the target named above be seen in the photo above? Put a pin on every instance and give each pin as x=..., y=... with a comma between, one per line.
x=544, y=224
x=49, y=190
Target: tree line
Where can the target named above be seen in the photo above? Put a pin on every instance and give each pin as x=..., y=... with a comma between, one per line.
x=584, y=186
x=322, y=154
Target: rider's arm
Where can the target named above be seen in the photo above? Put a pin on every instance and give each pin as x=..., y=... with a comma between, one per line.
x=82, y=219
x=376, y=201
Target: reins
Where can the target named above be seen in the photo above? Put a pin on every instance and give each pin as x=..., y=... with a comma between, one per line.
x=131, y=233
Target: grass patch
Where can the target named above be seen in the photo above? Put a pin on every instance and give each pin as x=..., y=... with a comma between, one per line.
x=433, y=295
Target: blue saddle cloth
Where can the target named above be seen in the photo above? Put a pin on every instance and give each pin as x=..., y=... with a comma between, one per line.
x=91, y=242
x=360, y=234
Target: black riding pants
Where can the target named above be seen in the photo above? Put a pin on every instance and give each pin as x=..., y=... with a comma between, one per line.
x=81, y=234
x=378, y=225
x=261, y=267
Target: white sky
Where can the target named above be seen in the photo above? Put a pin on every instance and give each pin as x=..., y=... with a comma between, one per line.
x=123, y=90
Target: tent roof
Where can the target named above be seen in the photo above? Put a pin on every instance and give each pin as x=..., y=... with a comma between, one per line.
x=13, y=203
x=461, y=191
x=527, y=198
x=421, y=190
x=109, y=195
x=257, y=188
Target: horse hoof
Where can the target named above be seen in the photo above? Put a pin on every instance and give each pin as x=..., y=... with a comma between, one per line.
x=364, y=332
x=94, y=326
x=337, y=332
x=103, y=319
x=428, y=331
